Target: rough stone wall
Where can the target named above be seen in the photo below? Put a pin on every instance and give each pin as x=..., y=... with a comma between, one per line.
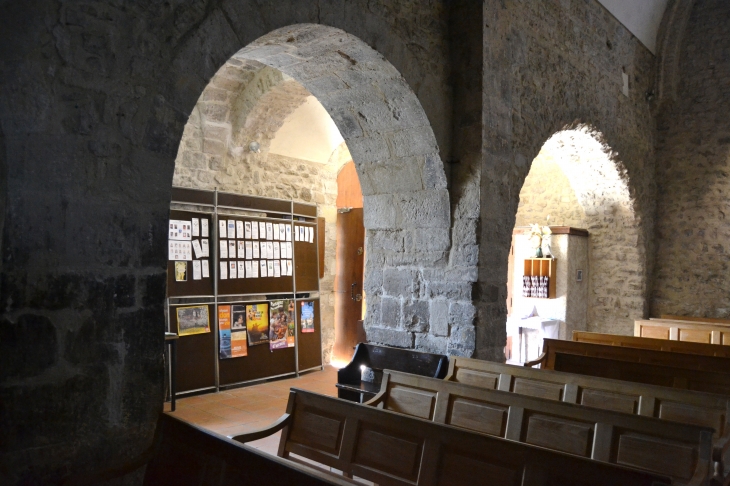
x=693, y=173
x=94, y=99
x=247, y=101
x=548, y=64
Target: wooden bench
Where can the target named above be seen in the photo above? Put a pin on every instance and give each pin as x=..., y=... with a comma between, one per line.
x=679, y=330
x=359, y=384
x=600, y=435
x=679, y=370
x=392, y=449
x=687, y=347
x=185, y=455
x=695, y=319
x=683, y=406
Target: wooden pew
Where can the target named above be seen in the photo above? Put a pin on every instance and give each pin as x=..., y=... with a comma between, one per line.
x=686, y=347
x=185, y=455
x=684, y=406
x=679, y=370
x=679, y=330
x=695, y=319
x=681, y=451
x=392, y=449
x=358, y=385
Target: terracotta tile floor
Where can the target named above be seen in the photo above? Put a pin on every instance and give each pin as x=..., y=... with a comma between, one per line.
x=242, y=410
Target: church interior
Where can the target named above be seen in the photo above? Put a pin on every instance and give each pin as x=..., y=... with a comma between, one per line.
x=383, y=242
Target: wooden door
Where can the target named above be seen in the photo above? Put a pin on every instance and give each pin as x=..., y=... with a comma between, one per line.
x=349, y=260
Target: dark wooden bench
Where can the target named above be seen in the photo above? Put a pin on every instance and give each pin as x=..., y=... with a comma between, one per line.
x=392, y=449
x=683, y=406
x=709, y=332
x=680, y=451
x=186, y=455
x=679, y=370
x=359, y=381
x=687, y=347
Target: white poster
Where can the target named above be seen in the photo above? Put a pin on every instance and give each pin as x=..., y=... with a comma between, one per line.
x=249, y=250
x=255, y=269
x=232, y=269
x=222, y=228
x=241, y=269
x=277, y=268
x=231, y=229
x=241, y=250
x=204, y=227
x=255, y=246
x=224, y=270
x=248, y=269
x=262, y=265
x=197, y=249
x=270, y=267
x=247, y=230
x=269, y=231
x=206, y=268
x=224, y=249
x=282, y=232
x=196, y=270
x=239, y=230
x=232, y=249
x=262, y=230
x=254, y=231
x=180, y=230
x=275, y=229
x=277, y=251
x=204, y=246
x=180, y=251
x=196, y=231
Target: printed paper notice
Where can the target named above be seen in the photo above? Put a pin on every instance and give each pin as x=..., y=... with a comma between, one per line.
x=196, y=270
x=254, y=230
x=282, y=232
x=224, y=248
x=247, y=230
x=196, y=227
x=224, y=270
x=255, y=247
x=241, y=250
x=277, y=251
x=204, y=227
x=241, y=269
x=255, y=269
x=232, y=249
x=222, y=228
x=277, y=269
x=192, y=320
x=231, y=229
x=262, y=230
x=181, y=271
x=205, y=268
x=289, y=268
x=269, y=231
x=197, y=248
x=262, y=266
x=296, y=233
x=180, y=230
x=288, y=232
x=180, y=250
x=275, y=230
x=239, y=230
x=232, y=269
x=204, y=246
x=311, y=234
x=247, y=268
x=270, y=268
x=288, y=250
x=249, y=250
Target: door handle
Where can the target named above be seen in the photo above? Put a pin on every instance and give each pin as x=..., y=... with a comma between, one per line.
x=353, y=295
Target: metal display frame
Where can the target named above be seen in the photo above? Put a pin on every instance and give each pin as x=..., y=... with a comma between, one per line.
x=189, y=200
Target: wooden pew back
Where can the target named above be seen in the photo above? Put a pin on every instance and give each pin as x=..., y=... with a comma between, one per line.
x=694, y=372
x=392, y=449
x=695, y=319
x=679, y=330
x=681, y=451
x=686, y=347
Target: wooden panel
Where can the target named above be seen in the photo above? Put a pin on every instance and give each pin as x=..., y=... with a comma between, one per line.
x=394, y=455
x=482, y=417
x=321, y=227
x=301, y=209
x=609, y=401
x=349, y=279
x=192, y=196
x=309, y=344
x=349, y=193
x=654, y=332
x=688, y=414
x=676, y=346
x=477, y=378
x=726, y=338
x=536, y=388
x=695, y=335
x=696, y=319
x=411, y=401
x=254, y=202
x=316, y=430
x=196, y=356
x=559, y=434
x=458, y=469
x=651, y=454
x=305, y=268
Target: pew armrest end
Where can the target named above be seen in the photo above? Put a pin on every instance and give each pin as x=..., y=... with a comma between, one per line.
x=539, y=361
x=280, y=423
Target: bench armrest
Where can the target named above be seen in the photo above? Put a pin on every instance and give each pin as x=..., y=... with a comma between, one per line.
x=281, y=422
x=540, y=360
x=719, y=452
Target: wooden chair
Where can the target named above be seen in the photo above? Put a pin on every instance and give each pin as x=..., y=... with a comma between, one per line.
x=681, y=451
x=680, y=330
x=392, y=449
x=359, y=381
x=679, y=370
x=684, y=406
x=686, y=347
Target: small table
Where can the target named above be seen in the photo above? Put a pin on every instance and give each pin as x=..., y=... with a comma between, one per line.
x=171, y=341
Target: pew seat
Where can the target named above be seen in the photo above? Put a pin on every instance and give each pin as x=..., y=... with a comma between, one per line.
x=673, y=346
x=681, y=451
x=392, y=449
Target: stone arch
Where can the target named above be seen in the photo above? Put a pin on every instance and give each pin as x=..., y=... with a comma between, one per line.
x=603, y=204
x=406, y=203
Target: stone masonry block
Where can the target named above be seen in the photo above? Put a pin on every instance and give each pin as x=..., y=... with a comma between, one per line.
x=391, y=312
x=386, y=240
x=413, y=141
x=450, y=290
x=194, y=160
x=439, y=318
x=393, y=175
x=379, y=212
x=461, y=314
x=434, y=176
x=389, y=337
x=425, y=209
x=465, y=256
x=214, y=147
x=368, y=149
x=431, y=344
x=397, y=283
x=427, y=239
x=417, y=259
x=416, y=315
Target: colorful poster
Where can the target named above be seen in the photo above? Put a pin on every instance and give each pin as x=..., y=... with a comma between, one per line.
x=181, y=271
x=281, y=324
x=307, y=317
x=239, y=343
x=224, y=330
x=192, y=320
x=257, y=323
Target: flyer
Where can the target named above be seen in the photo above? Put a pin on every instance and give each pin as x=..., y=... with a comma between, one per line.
x=257, y=323
x=255, y=246
x=239, y=230
x=277, y=269
x=254, y=230
x=296, y=233
x=249, y=250
x=289, y=268
x=224, y=330
x=196, y=270
x=255, y=269
x=192, y=320
x=179, y=250
x=232, y=269
x=262, y=230
x=231, y=229
x=247, y=230
x=231, y=249
x=204, y=227
x=281, y=316
x=277, y=251
x=224, y=271
x=205, y=268
x=197, y=248
x=196, y=227
x=204, y=246
x=222, y=228
x=241, y=251
x=263, y=266
x=181, y=271
x=269, y=231
x=282, y=232
x=180, y=230
x=288, y=232
x=311, y=234
x=247, y=267
x=224, y=249
x=307, y=317
x=270, y=268
x=239, y=343
x=241, y=269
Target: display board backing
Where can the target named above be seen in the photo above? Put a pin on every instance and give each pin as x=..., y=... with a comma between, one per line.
x=310, y=343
